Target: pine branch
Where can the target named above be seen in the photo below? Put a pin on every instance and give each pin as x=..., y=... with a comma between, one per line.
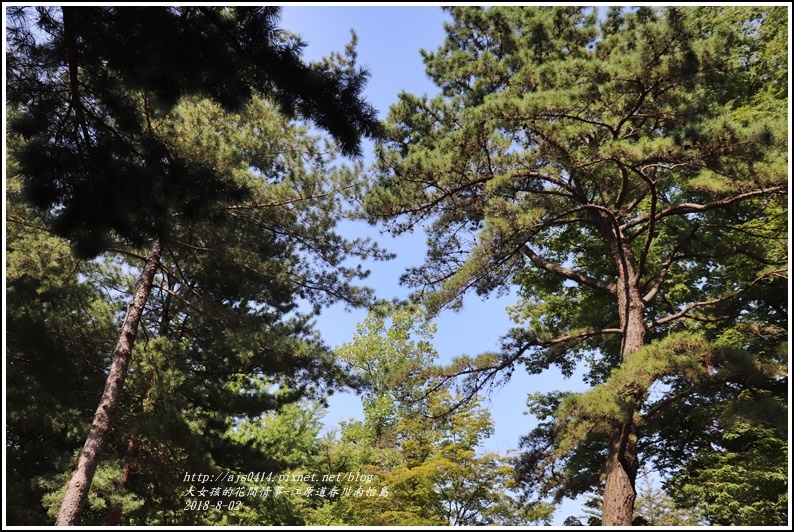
x=568, y=273
x=701, y=304
x=71, y=53
x=690, y=208
x=648, y=297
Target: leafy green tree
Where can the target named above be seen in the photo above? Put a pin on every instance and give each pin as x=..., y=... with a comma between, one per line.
x=654, y=507
x=290, y=438
x=628, y=176
x=390, y=353
x=744, y=483
x=419, y=440
x=88, y=86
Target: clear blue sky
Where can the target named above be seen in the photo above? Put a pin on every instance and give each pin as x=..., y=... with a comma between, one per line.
x=389, y=40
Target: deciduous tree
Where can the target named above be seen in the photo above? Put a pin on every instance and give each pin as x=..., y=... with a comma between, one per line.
x=420, y=441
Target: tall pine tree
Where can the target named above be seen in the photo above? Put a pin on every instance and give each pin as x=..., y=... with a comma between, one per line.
x=87, y=85
x=628, y=176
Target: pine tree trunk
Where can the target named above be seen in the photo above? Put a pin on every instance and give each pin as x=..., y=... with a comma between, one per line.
x=80, y=483
x=622, y=464
x=621, y=473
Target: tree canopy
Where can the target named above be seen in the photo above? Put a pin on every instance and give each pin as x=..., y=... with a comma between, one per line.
x=164, y=135
x=89, y=81
x=175, y=187
x=422, y=444
x=628, y=175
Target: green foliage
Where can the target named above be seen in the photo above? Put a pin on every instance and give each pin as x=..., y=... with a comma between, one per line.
x=559, y=142
x=628, y=176
x=226, y=333
x=388, y=353
x=420, y=441
x=89, y=82
x=685, y=355
x=654, y=507
x=742, y=483
x=289, y=438
x=59, y=322
x=104, y=493
x=225, y=341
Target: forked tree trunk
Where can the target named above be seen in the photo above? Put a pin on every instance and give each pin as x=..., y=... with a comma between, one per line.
x=621, y=473
x=80, y=483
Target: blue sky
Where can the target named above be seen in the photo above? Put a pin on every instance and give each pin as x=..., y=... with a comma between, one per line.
x=389, y=40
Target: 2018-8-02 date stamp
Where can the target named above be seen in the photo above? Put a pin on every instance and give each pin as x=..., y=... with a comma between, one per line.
x=208, y=492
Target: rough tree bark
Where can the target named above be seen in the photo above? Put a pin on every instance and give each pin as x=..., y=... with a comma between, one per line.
x=622, y=464
x=80, y=483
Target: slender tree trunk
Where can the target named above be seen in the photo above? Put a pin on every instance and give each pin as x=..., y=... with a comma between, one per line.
x=80, y=483
x=622, y=463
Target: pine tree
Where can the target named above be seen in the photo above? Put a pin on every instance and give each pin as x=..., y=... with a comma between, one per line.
x=59, y=325
x=628, y=176
x=87, y=84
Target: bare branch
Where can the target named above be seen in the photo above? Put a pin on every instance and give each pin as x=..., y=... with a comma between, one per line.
x=689, y=208
x=568, y=273
x=684, y=312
